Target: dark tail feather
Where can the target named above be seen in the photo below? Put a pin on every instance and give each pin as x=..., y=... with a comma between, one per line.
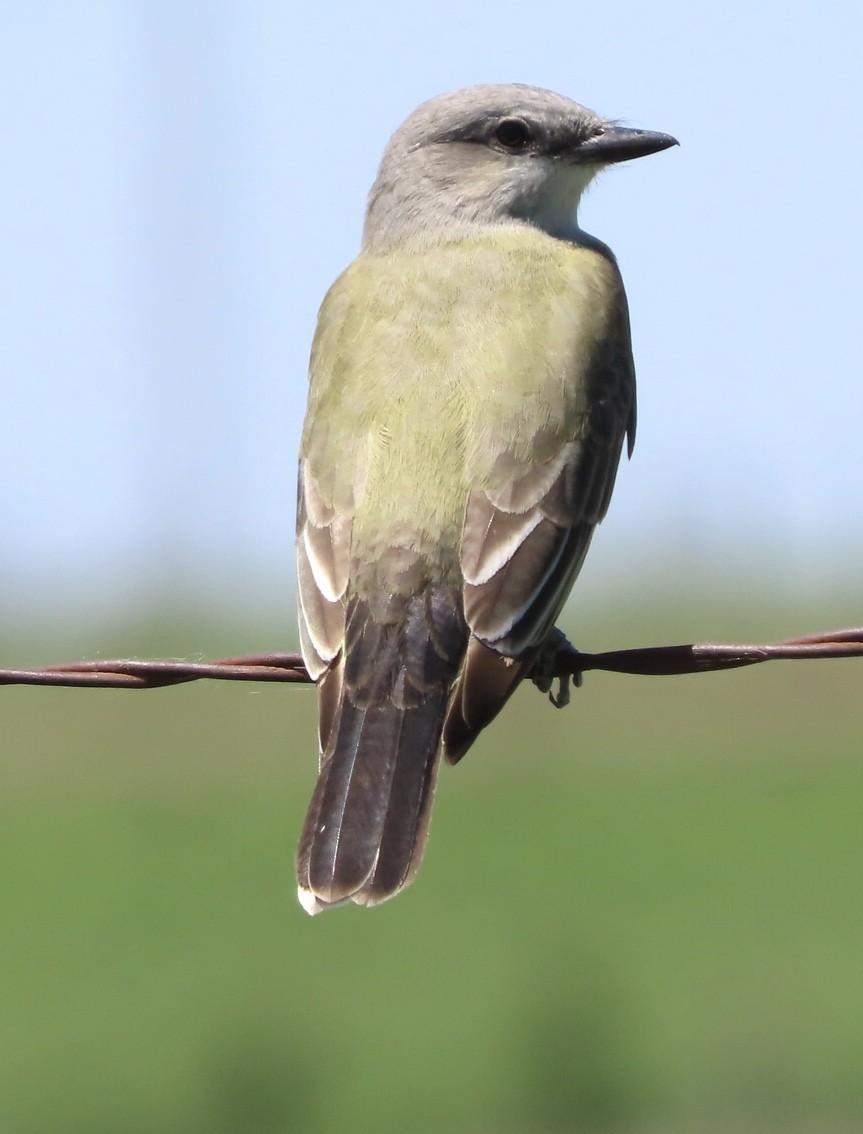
x=405, y=829
x=382, y=708
x=366, y=826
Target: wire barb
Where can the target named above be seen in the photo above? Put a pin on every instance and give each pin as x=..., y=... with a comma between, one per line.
x=569, y=662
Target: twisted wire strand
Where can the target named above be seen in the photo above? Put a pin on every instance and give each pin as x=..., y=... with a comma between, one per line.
x=569, y=662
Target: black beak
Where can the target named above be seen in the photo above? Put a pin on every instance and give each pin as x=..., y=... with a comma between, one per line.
x=618, y=143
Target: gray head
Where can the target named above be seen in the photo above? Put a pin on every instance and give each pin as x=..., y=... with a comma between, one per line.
x=497, y=154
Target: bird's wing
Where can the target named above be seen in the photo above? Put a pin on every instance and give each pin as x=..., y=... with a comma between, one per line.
x=526, y=535
x=323, y=563
x=327, y=494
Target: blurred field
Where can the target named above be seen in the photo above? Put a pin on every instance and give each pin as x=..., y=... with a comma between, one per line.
x=642, y=914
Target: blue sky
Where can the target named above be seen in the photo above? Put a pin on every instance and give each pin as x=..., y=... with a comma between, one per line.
x=183, y=181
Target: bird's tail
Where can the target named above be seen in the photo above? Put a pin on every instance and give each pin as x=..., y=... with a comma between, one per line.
x=383, y=704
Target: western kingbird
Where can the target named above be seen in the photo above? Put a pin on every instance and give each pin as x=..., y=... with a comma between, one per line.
x=471, y=385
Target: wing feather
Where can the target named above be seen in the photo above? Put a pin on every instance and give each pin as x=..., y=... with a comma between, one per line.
x=323, y=570
x=525, y=538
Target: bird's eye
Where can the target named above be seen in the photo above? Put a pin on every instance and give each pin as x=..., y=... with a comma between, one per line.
x=513, y=134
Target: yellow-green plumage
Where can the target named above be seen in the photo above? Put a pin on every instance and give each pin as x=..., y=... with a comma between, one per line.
x=434, y=379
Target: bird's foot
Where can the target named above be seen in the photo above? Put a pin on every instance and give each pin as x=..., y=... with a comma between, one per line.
x=547, y=668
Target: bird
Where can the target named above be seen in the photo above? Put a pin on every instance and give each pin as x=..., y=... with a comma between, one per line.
x=471, y=388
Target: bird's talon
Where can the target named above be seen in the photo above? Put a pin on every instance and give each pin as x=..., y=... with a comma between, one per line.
x=545, y=668
x=561, y=700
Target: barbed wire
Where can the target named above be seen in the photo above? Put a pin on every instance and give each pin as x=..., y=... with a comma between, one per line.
x=568, y=662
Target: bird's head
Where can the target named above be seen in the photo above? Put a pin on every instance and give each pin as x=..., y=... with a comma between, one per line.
x=495, y=154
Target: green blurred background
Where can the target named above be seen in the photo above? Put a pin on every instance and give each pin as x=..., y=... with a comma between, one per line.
x=639, y=914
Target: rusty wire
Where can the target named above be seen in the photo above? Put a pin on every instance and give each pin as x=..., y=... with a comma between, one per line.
x=651, y=660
